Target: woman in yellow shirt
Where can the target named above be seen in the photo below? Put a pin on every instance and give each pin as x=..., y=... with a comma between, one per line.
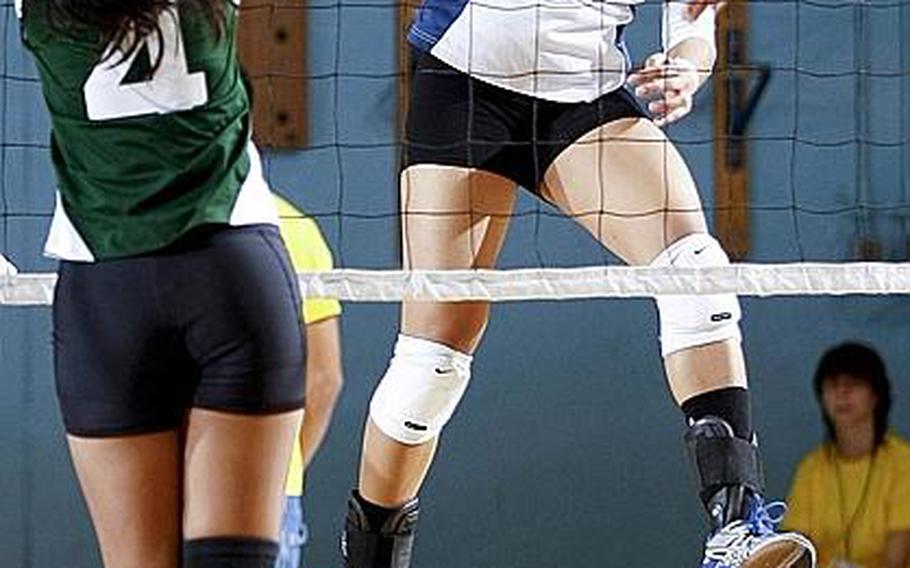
x=309, y=253
x=851, y=495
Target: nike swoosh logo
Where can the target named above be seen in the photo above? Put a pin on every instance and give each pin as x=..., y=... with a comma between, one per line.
x=441, y=371
x=701, y=250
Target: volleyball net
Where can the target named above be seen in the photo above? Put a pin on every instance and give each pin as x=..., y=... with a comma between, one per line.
x=799, y=145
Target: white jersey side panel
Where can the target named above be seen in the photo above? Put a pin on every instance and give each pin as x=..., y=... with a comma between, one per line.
x=560, y=50
x=255, y=204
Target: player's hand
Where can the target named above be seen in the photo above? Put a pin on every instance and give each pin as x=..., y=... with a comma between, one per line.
x=696, y=7
x=669, y=84
x=7, y=268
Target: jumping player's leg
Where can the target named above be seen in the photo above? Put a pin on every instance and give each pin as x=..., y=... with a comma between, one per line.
x=452, y=218
x=628, y=186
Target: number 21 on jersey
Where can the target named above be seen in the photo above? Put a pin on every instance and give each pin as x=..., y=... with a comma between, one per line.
x=172, y=88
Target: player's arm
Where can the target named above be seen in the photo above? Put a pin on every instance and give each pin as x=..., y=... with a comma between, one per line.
x=324, y=382
x=670, y=78
x=897, y=549
x=310, y=253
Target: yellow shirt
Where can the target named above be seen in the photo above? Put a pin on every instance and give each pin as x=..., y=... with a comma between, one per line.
x=309, y=253
x=867, y=498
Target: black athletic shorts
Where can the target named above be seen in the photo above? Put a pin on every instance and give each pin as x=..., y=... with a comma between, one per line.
x=457, y=120
x=211, y=322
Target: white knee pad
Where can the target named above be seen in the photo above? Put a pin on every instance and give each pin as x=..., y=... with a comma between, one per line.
x=693, y=320
x=420, y=390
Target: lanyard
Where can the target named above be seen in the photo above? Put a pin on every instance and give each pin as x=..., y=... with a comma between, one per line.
x=847, y=527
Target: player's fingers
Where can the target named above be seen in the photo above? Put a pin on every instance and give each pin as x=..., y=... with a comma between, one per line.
x=667, y=80
x=667, y=86
x=668, y=116
x=655, y=66
x=676, y=115
x=658, y=108
x=670, y=103
x=647, y=90
x=656, y=60
x=675, y=83
x=643, y=76
x=652, y=89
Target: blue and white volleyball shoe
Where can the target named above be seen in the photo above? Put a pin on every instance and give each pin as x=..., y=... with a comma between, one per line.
x=755, y=543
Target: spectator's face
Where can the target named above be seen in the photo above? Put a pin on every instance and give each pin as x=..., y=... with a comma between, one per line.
x=848, y=400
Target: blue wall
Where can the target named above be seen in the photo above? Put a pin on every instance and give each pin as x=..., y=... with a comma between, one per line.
x=566, y=450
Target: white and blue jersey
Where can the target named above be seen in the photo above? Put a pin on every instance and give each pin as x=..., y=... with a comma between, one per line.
x=559, y=50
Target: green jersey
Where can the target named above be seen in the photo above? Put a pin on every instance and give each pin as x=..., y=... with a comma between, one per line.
x=140, y=157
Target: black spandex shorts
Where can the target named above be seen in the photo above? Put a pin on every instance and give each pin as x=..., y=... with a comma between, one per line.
x=211, y=322
x=457, y=120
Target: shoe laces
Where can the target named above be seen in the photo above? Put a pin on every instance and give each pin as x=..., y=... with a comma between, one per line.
x=764, y=517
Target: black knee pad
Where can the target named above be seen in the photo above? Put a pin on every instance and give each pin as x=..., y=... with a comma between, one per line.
x=371, y=542
x=229, y=552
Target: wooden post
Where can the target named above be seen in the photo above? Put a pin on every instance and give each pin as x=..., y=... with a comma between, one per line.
x=272, y=47
x=406, y=11
x=731, y=150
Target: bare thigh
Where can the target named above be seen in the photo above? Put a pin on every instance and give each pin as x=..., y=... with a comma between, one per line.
x=629, y=187
x=147, y=493
x=452, y=218
x=131, y=485
x=235, y=468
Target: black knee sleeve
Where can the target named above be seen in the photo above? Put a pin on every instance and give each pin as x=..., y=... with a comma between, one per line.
x=376, y=537
x=229, y=552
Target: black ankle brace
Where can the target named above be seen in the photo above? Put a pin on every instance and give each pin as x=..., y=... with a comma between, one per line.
x=727, y=469
x=376, y=537
x=732, y=405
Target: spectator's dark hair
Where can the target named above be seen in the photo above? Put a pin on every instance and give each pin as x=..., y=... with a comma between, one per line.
x=126, y=23
x=861, y=362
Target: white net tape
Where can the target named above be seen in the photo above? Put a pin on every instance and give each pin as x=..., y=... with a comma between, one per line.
x=544, y=284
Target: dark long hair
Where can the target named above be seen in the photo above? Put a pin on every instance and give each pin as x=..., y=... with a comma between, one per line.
x=864, y=363
x=126, y=23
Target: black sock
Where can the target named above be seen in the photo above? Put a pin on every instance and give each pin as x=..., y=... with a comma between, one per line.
x=229, y=552
x=377, y=515
x=730, y=404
